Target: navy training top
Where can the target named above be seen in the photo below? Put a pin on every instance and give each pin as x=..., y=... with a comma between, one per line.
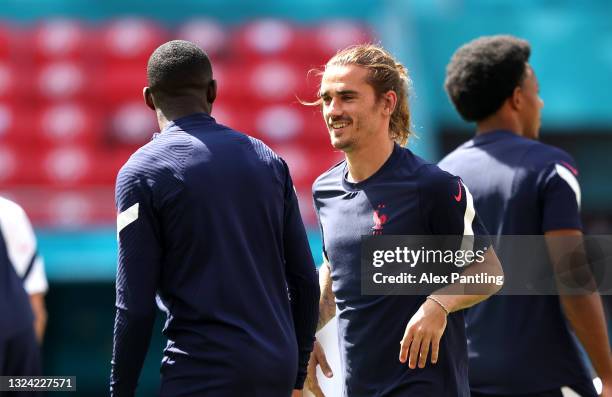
x=209, y=220
x=15, y=310
x=406, y=196
x=519, y=344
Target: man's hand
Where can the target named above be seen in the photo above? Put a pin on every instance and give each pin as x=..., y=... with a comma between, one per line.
x=317, y=357
x=297, y=393
x=425, y=328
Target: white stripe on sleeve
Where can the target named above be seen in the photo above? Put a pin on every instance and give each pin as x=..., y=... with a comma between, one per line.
x=126, y=217
x=470, y=213
x=571, y=180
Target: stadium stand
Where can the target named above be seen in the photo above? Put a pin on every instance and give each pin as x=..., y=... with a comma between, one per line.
x=71, y=110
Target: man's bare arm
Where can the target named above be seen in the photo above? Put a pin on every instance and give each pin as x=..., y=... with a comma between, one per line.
x=327, y=311
x=584, y=311
x=327, y=302
x=427, y=325
x=459, y=296
x=37, y=301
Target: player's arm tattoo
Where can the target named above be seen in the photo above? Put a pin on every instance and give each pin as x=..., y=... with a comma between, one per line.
x=327, y=304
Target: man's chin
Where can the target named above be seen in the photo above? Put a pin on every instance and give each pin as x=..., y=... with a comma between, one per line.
x=345, y=146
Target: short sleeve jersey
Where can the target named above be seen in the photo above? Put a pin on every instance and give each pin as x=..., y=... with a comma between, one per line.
x=520, y=187
x=406, y=196
x=21, y=247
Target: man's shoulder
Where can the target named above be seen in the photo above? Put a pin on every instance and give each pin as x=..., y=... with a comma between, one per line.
x=165, y=151
x=542, y=154
x=434, y=180
x=8, y=207
x=455, y=155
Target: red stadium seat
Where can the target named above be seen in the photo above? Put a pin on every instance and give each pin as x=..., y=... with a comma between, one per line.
x=8, y=165
x=61, y=81
x=15, y=126
x=130, y=40
x=292, y=122
x=66, y=123
x=119, y=83
x=133, y=124
x=67, y=166
x=275, y=81
x=18, y=166
x=234, y=115
x=207, y=34
x=267, y=38
x=14, y=83
x=60, y=39
x=336, y=35
x=279, y=123
x=306, y=164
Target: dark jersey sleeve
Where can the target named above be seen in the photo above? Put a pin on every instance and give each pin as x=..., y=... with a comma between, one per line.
x=302, y=280
x=138, y=270
x=560, y=195
x=448, y=206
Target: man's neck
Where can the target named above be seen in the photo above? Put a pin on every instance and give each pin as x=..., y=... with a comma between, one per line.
x=496, y=123
x=164, y=117
x=366, y=160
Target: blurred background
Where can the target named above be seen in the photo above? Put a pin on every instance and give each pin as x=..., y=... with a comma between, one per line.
x=71, y=113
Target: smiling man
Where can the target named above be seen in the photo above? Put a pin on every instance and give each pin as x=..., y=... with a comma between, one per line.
x=382, y=188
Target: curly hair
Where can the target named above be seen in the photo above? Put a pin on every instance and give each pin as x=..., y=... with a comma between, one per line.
x=385, y=74
x=483, y=73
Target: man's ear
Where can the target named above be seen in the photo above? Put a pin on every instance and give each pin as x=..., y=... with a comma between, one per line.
x=390, y=102
x=211, y=91
x=516, y=99
x=148, y=98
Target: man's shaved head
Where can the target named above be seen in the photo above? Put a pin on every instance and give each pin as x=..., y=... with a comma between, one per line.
x=178, y=68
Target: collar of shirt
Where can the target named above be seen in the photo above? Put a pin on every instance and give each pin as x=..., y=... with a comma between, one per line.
x=182, y=122
x=353, y=186
x=493, y=136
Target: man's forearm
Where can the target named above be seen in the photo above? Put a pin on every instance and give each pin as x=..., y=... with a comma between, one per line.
x=327, y=302
x=459, y=296
x=37, y=301
x=586, y=316
x=131, y=341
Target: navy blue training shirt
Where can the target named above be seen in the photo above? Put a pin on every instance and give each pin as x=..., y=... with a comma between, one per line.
x=406, y=196
x=519, y=344
x=15, y=310
x=209, y=220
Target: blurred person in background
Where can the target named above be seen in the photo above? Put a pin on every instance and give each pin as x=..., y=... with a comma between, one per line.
x=19, y=348
x=522, y=345
x=23, y=253
x=383, y=188
x=209, y=221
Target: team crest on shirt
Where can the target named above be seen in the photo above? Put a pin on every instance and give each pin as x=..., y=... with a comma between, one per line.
x=380, y=218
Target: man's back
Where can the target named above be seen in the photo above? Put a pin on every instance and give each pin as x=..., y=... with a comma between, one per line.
x=520, y=187
x=217, y=211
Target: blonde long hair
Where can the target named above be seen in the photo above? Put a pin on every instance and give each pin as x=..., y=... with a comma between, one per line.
x=385, y=74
